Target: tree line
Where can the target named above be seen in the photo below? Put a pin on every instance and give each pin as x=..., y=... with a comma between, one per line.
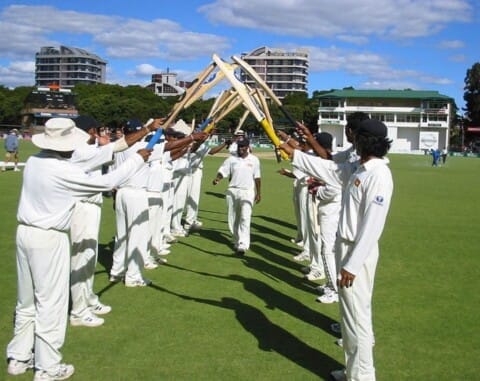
x=113, y=105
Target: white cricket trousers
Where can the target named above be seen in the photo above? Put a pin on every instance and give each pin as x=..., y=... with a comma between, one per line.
x=312, y=234
x=356, y=314
x=193, y=196
x=84, y=237
x=328, y=215
x=181, y=182
x=301, y=196
x=155, y=213
x=131, y=244
x=168, y=193
x=240, y=205
x=43, y=272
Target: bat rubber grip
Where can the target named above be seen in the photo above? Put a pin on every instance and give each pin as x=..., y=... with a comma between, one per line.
x=155, y=138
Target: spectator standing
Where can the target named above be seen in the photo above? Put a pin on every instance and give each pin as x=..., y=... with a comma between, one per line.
x=11, y=148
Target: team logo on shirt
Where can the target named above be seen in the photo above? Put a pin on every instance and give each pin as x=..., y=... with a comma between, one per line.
x=357, y=182
x=378, y=200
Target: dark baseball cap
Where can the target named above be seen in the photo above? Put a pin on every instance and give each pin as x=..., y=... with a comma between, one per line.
x=372, y=127
x=243, y=142
x=86, y=122
x=324, y=139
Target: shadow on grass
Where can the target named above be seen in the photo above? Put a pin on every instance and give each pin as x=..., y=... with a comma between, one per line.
x=276, y=221
x=270, y=336
x=105, y=255
x=215, y=194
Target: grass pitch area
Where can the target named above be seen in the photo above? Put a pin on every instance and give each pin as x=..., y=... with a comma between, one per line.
x=212, y=316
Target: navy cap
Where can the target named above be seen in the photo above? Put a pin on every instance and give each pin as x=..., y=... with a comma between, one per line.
x=243, y=142
x=372, y=127
x=132, y=125
x=324, y=139
x=86, y=122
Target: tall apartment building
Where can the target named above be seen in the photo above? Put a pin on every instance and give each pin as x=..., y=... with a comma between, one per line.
x=166, y=84
x=66, y=66
x=417, y=120
x=284, y=72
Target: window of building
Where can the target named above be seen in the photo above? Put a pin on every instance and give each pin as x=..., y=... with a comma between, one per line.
x=330, y=115
x=383, y=117
x=408, y=118
x=329, y=103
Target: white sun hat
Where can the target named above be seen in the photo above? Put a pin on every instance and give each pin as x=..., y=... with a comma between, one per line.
x=182, y=127
x=60, y=134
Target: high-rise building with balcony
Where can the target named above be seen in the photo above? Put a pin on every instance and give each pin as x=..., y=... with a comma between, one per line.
x=284, y=72
x=66, y=66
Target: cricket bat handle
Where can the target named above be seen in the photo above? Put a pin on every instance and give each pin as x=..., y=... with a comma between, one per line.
x=274, y=139
x=155, y=138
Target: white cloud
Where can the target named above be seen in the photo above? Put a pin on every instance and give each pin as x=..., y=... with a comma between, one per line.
x=370, y=69
x=307, y=18
x=24, y=30
x=451, y=44
x=458, y=58
x=357, y=40
x=18, y=73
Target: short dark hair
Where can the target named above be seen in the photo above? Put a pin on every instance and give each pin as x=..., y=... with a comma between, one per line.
x=377, y=146
x=354, y=119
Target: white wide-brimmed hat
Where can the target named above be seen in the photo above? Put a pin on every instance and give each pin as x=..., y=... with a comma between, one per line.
x=182, y=127
x=60, y=134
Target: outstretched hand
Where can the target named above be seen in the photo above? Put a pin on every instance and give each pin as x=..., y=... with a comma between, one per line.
x=303, y=130
x=144, y=153
x=156, y=124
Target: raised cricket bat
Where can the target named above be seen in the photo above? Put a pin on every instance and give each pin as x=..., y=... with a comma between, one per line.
x=256, y=77
x=249, y=103
x=206, y=85
x=190, y=95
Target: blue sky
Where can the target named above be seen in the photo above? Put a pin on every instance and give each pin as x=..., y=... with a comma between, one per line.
x=368, y=44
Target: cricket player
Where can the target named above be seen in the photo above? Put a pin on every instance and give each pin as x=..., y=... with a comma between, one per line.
x=243, y=191
x=43, y=246
x=85, y=224
x=181, y=172
x=195, y=157
x=367, y=192
x=132, y=237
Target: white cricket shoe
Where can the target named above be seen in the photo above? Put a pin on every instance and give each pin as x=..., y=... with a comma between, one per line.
x=100, y=309
x=63, y=372
x=315, y=275
x=138, y=283
x=87, y=320
x=303, y=256
x=150, y=265
x=329, y=296
x=16, y=367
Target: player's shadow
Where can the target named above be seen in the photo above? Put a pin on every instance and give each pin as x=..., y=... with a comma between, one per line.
x=276, y=221
x=105, y=255
x=215, y=194
x=270, y=336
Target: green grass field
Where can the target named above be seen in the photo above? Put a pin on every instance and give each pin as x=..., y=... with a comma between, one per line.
x=212, y=316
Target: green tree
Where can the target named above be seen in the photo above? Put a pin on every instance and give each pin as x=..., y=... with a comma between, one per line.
x=472, y=95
